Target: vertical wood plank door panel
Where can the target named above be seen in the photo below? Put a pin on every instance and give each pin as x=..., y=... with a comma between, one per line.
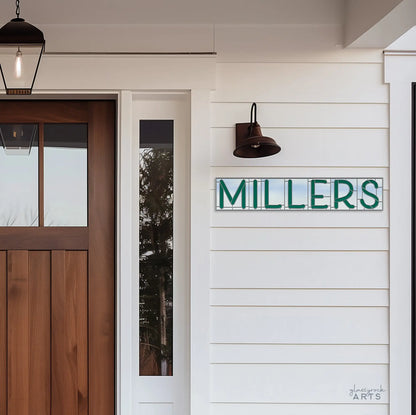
x=3, y=334
x=69, y=333
x=39, y=332
x=57, y=284
x=28, y=333
x=18, y=332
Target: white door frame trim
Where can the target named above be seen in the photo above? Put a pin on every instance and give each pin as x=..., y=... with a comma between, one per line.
x=127, y=307
x=120, y=77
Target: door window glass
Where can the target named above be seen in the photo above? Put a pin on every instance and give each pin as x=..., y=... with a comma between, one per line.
x=19, y=175
x=65, y=174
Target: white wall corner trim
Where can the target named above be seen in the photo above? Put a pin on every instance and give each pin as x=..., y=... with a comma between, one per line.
x=400, y=72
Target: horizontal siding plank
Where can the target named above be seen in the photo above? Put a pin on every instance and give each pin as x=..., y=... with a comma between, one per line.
x=295, y=115
x=156, y=409
x=298, y=409
x=309, y=147
x=295, y=219
x=316, y=82
x=299, y=325
x=292, y=239
x=314, y=298
x=251, y=171
x=299, y=269
x=295, y=353
x=295, y=383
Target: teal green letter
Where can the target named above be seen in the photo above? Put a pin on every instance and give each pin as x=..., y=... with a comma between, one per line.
x=255, y=194
x=241, y=189
x=314, y=196
x=345, y=198
x=267, y=205
x=373, y=195
x=290, y=197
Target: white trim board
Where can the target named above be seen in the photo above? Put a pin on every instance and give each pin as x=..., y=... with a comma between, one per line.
x=103, y=73
x=167, y=389
x=400, y=72
x=126, y=287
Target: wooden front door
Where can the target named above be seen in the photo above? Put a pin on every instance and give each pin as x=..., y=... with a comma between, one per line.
x=57, y=282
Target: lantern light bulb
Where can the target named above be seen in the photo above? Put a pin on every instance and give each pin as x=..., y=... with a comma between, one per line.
x=18, y=64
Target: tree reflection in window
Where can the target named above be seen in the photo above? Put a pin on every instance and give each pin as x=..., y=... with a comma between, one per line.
x=156, y=247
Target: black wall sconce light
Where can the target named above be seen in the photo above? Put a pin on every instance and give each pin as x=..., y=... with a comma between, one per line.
x=250, y=142
x=21, y=47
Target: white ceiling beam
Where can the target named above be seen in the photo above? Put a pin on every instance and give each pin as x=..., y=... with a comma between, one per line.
x=377, y=23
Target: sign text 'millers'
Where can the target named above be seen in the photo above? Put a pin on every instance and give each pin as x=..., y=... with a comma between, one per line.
x=299, y=194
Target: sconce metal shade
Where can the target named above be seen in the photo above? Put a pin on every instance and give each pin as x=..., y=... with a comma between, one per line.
x=20, y=38
x=250, y=142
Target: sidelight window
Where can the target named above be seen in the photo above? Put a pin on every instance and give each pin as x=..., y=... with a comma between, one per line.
x=156, y=247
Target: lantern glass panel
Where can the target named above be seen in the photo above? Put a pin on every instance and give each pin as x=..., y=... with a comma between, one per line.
x=18, y=64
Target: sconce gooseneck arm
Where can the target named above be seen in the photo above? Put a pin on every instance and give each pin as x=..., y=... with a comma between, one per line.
x=18, y=9
x=253, y=111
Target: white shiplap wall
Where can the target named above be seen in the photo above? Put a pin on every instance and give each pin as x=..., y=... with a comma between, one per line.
x=299, y=300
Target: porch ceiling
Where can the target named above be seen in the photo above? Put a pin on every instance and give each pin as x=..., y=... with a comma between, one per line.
x=365, y=23
x=177, y=11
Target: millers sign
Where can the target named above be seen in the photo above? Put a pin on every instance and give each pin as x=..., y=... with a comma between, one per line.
x=340, y=194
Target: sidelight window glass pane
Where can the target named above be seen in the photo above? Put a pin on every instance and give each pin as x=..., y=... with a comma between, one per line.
x=156, y=247
x=65, y=174
x=19, y=175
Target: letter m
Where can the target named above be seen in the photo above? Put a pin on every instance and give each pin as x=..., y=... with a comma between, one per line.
x=233, y=199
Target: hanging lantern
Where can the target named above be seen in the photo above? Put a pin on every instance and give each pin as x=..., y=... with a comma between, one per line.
x=21, y=48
